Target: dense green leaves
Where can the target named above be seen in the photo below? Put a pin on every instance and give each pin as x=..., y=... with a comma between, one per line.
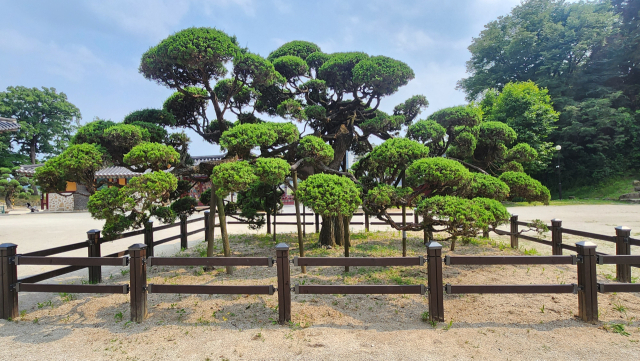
x=382, y=75
x=297, y=48
x=14, y=185
x=439, y=175
x=152, y=156
x=329, y=195
x=78, y=163
x=484, y=185
x=290, y=66
x=153, y=116
x=524, y=187
x=314, y=148
x=233, y=177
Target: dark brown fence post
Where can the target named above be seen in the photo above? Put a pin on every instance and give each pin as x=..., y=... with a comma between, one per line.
x=317, y=222
x=148, y=237
x=366, y=221
x=183, y=232
x=514, y=231
x=623, y=247
x=284, y=283
x=138, y=282
x=587, y=282
x=556, y=237
x=436, y=294
x=93, y=240
x=206, y=226
x=8, y=278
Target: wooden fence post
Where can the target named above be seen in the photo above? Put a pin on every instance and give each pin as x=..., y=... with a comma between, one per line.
x=284, y=283
x=436, y=294
x=207, y=229
x=556, y=237
x=366, y=221
x=148, y=237
x=183, y=232
x=317, y=222
x=298, y=219
x=514, y=231
x=8, y=278
x=93, y=240
x=623, y=247
x=587, y=282
x=138, y=282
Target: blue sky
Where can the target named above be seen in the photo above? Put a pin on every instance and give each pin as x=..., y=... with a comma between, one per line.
x=91, y=49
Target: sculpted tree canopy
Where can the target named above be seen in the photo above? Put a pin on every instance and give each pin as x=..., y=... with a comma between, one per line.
x=13, y=185
x=46, y=119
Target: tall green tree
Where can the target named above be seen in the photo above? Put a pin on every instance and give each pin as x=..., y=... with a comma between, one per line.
x=46, y=119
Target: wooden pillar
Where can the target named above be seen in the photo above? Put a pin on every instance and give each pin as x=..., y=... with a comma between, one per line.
x=556, y=237
x=304, y=221
x=226, y=248
x=207, y=229
x=298, y=220
x=183, y=232
x=275, y=211
x=514, y=231
x=213, y=204
x=317, y=223
x=436, y=294
x=623, y=247
x=138, y=282
x=284, y=283
x=587, y=282
x=93, y=247
x=148, y=237
x=8, y=279
x=366, y=221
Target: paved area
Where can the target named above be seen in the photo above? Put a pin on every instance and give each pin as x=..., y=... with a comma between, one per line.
x=36, y=231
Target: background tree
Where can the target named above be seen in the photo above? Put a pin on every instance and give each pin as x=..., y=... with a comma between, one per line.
x=14, y=185
x=45, y=118
x=585, y=54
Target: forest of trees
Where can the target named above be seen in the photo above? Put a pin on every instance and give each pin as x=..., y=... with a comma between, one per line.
x=586, y=54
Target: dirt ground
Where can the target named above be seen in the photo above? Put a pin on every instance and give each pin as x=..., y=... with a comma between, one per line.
x=357, y=327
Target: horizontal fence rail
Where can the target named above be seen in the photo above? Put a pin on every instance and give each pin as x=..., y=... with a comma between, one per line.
x=71, y=261
x=30, y=287
x=211, y=290
x=360, y=289
x=588, y=235
x=509, y=260
x=358, y=261
x=56, y=250
x=461, y=289
x=618, y=287
x=210, y=261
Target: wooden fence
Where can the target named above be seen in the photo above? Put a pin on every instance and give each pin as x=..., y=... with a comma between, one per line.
x=141, y=255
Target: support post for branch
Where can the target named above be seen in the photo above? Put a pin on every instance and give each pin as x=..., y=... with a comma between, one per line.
x=317, y=223
x=226, y=248
x=148, y=237
x=556, y=237
x=183, y=232
x=587, y=282
x=213, y=204
x=138, y=282
x=436, y=294
x=514, y=231
x=8, y=278
x=623, y=247
x=297, y=205
x=93, y=247
x=366, y=221
x=284, y=283
x=404, y=223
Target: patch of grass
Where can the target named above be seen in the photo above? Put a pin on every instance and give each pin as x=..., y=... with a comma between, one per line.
x=619, y=307
x=66, y=297
x=425, y=316
x=48, y=303
x=124, y=271
x=618, y=328
x=118, y=316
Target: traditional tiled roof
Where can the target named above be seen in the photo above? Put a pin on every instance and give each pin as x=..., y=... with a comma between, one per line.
x=29, y=169
x=205, y=158
x=116, y=172
x=8, y=125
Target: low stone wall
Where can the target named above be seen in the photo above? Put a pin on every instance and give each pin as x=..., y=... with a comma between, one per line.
x=63, y=202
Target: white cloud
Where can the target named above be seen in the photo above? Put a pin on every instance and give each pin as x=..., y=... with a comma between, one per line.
x=154, y=19
x=412, y=40
x=247, y=6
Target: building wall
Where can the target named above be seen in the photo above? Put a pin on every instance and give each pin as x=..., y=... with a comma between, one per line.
x=80, y=199
x=61, y=203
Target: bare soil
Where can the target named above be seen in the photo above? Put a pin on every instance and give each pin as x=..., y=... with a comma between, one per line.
x=356, y=327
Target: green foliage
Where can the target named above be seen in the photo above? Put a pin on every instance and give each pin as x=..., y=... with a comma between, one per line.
x=382, y=75
x=152, y=156
x=315, y=149
x=458, y=116
x=153, y=116
x=78, y=163
x=157, y=134
x=411, y=107
x=290, y=66
x=233, y=177
x=14, y=185
x=272, y=171
x=329, y=195
x=440, y=176
x=337, y=70
x=45, y=117
x=483, y=185
x=426, y=131
x=498, y=214
x=524, y=187
x=92, y=132
x=186, y=108
x=297, y=48
x=385, y=196
x=184, y=207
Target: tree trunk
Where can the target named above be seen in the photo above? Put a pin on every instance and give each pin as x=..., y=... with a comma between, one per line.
x=212, y=223
x=268, y=221
x=8, y=201
x=297, y=204
x=32, y=149
x=327, y=237
x=338, y=230
x=453, y=243
x=347, y=238
x=223, y=232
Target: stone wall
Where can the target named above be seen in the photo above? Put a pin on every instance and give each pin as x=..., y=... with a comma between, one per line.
x=80, y=199
x=61, y=203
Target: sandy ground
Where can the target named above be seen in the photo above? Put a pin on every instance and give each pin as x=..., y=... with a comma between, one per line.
x=359, y=327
